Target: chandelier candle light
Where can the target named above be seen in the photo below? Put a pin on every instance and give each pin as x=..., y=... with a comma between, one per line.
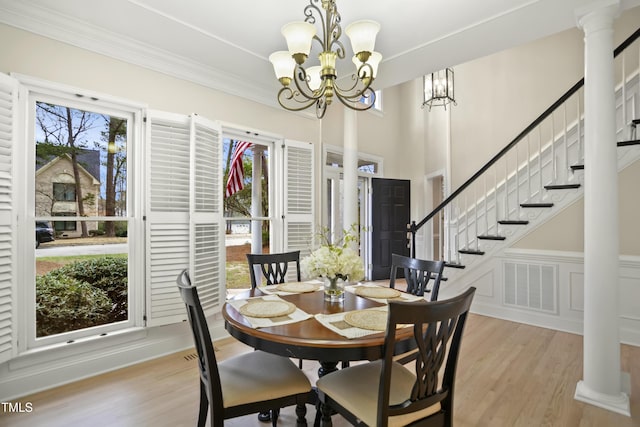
x=304, y=86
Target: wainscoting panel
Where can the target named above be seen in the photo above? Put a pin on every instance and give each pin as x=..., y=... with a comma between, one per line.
x=546, y=289
x=576, y=291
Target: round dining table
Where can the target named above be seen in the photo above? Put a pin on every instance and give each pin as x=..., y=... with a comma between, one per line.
x=309, y=339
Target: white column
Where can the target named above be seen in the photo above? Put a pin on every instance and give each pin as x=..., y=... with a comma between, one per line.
x=350, y=168
x=256, y=200
x=602, y=384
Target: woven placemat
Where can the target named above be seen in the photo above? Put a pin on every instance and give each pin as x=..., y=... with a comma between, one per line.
x=377, y=292
x=298, y=287
x=372, y=320
x=266, y=309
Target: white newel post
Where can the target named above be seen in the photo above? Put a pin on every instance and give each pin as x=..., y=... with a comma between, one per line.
x=350, y=168
x=603, y=384
x=256, y=200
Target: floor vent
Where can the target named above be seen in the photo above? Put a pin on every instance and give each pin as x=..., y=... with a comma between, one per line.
x=191, y=356
x=530, y=286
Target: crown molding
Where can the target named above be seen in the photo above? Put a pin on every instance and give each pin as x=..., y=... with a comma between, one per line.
x=53, y=25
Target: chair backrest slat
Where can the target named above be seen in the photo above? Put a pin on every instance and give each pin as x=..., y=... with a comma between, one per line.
x=274, y=267
x=437, y=330
x=418, y=273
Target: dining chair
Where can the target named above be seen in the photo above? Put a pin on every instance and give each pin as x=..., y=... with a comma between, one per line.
x=418, y=273
x=274, y=267
x=247, y=384
x=386, y=393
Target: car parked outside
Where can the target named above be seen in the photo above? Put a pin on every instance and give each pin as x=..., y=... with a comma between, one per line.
x=44, y=233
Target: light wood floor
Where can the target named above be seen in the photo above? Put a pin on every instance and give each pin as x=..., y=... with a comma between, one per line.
x=509, y=375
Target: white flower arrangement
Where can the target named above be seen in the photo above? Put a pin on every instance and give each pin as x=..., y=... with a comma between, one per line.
x=334, y=260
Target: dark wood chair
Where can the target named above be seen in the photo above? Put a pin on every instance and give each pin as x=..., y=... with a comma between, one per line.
x=384, y=392
x=274, y=267
x=247, y=384
x=418, y=273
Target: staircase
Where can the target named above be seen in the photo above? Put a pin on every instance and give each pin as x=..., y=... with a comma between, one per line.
x=536, y=175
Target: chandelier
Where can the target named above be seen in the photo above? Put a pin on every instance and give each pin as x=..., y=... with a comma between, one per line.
x=304, y=85
x=438, y=89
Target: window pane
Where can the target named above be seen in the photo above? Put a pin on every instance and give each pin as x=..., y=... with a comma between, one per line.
x=239, y=208
x=80, y=282
x=82, y=172
x=81, y=263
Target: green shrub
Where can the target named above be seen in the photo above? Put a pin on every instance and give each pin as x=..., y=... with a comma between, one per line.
x=65, y=304
x=121, y=229
x=108, y=274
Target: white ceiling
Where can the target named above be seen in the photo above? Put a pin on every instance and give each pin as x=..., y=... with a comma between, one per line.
x=225, y=44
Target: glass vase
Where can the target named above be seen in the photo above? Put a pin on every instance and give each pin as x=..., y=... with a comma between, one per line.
x=333, y=289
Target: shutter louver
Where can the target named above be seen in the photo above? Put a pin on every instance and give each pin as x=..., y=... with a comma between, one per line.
x=168, y=233
x=169, y=167
x=299, y=191
x=208, y=190
x=8, y=105
x=207, y=223
x=208, y=265
x=169, y=254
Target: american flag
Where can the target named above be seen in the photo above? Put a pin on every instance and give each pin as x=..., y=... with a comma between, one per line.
x=236, y=170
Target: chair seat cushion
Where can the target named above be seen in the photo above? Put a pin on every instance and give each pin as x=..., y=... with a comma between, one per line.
x=356, y=389
x=259, y=376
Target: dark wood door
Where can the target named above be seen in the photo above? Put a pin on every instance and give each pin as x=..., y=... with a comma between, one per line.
x=390, y=215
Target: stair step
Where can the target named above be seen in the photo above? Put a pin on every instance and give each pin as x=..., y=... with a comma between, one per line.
x=561, y=186
x=470, y=252
x=454, y=265
x=513, y=222
x=491, y=237
x=577, y=167
x=536, y=205
x=628, y=143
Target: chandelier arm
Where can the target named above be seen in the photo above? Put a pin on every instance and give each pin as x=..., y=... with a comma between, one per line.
x=286, y=95
x=345, y=91
x=360, y=77
x=321, y=108
x=302, y=84
x=354, y=104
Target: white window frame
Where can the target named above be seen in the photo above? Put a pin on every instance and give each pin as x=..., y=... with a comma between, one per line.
x=32, y=90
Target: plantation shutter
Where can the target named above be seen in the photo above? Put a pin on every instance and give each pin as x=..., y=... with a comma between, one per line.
x=184, y=214
x=8, y=105
x=298, y=196
x=207, y=223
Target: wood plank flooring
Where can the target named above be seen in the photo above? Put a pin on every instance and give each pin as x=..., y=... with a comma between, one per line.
x=509, y=375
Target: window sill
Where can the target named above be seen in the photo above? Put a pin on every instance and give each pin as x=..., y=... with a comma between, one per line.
x=61, y=353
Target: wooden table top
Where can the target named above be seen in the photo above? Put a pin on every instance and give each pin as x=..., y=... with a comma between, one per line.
x=308, y=339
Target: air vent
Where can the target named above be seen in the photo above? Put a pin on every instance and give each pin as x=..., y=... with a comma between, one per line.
x=530, y=286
